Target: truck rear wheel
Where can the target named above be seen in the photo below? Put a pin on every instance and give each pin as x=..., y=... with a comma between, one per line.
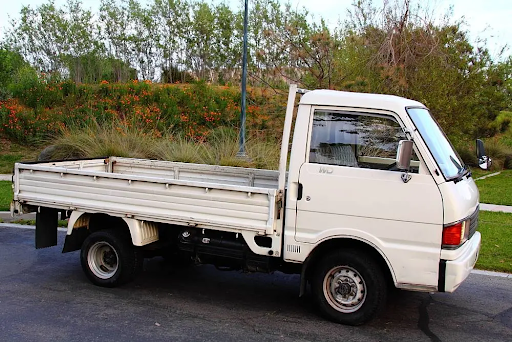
x=109, y=259
x=349, y=287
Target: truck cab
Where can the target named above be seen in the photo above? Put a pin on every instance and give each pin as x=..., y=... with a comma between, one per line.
x=346, y=192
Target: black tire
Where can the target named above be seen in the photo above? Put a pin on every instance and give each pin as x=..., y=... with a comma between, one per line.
x=349, y=287
x=109, y=258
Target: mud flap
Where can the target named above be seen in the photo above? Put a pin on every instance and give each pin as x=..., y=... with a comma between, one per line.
x=74, y=241
x=46, y=227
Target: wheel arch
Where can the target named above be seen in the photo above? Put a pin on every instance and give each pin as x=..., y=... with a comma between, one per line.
x=344, y=242
x=81, y=224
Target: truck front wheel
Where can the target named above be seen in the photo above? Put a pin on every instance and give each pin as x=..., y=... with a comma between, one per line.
x=109, y=259
x=349, y=287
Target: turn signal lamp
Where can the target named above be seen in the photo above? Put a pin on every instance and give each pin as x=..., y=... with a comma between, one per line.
x=455, y=234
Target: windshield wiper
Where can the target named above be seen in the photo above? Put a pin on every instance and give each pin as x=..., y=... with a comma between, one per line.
x=461, y=173
x=467, y=172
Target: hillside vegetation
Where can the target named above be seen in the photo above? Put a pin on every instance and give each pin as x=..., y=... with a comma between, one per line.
x=170, y=69
x=45, y=108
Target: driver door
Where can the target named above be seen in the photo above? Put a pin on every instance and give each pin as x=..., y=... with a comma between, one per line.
x=351, y=188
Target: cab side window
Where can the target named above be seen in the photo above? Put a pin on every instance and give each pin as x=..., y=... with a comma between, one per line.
x=356, y=140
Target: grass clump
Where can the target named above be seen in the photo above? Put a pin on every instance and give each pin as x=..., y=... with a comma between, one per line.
x=220, y=147
x=500, y=153
x=7, y=162
x=496, y=250
x=100, y=141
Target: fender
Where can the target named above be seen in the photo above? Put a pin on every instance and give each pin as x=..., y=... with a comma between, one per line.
x=341, y=241
x=141, y=232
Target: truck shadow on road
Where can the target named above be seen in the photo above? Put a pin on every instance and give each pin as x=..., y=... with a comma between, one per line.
x=269, y=301
x=261, y=298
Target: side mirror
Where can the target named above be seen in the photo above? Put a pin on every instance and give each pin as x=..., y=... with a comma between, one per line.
x=484, y=162
x=480, y=149
x=404, y=154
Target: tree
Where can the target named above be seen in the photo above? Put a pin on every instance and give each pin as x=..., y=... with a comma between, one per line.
x=114, y=21
x=143, y=39
x=200, y=41
x=84, y=48
x=227, y=44
x=10, y=63
x=172, y=19
x=40, y=36
x=402, y=49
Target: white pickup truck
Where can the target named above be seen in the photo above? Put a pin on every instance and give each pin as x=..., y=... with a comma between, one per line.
x=372, y=195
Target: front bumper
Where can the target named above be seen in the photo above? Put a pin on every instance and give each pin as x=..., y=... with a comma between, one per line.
x=453, y=272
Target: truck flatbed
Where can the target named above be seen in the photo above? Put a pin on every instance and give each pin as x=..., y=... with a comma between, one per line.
x=204, y=196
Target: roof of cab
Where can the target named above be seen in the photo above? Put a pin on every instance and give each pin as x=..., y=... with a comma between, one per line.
x=357, y=100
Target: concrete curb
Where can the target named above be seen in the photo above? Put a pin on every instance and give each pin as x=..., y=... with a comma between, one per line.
x=487, y=176
x=6, y=217
x=23, y=226
x=495, y=208
x=492, y=274
x=480, y=272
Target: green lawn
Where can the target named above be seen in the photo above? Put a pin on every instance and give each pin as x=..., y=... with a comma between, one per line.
x=11, y=153
x=7, y=162
x=496, y=251
x=477, y=173
x=495, y=189
x=5, y=195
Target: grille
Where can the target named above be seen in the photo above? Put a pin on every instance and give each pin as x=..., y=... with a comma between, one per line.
x=473, y=222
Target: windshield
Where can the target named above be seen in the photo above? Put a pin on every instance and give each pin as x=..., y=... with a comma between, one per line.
x=447, y=159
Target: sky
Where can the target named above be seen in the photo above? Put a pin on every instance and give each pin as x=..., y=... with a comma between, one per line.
x=488, y=19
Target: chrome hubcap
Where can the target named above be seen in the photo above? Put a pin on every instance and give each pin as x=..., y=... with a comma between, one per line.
x=344, y=289
x=103, y=260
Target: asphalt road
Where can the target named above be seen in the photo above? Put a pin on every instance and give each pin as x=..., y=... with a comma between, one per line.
x=44, y=296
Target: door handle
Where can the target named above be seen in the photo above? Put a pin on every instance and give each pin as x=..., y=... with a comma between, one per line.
x=299, y=192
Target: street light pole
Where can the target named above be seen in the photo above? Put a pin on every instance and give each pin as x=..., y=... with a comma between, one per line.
x=241, y=152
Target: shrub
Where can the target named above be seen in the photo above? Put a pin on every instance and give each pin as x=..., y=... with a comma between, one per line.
x=508, y=162
x=466, y=151
x=500, y=153
x=25, y=125
x=27, y=87
x=10, y=64
x=502, y=122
